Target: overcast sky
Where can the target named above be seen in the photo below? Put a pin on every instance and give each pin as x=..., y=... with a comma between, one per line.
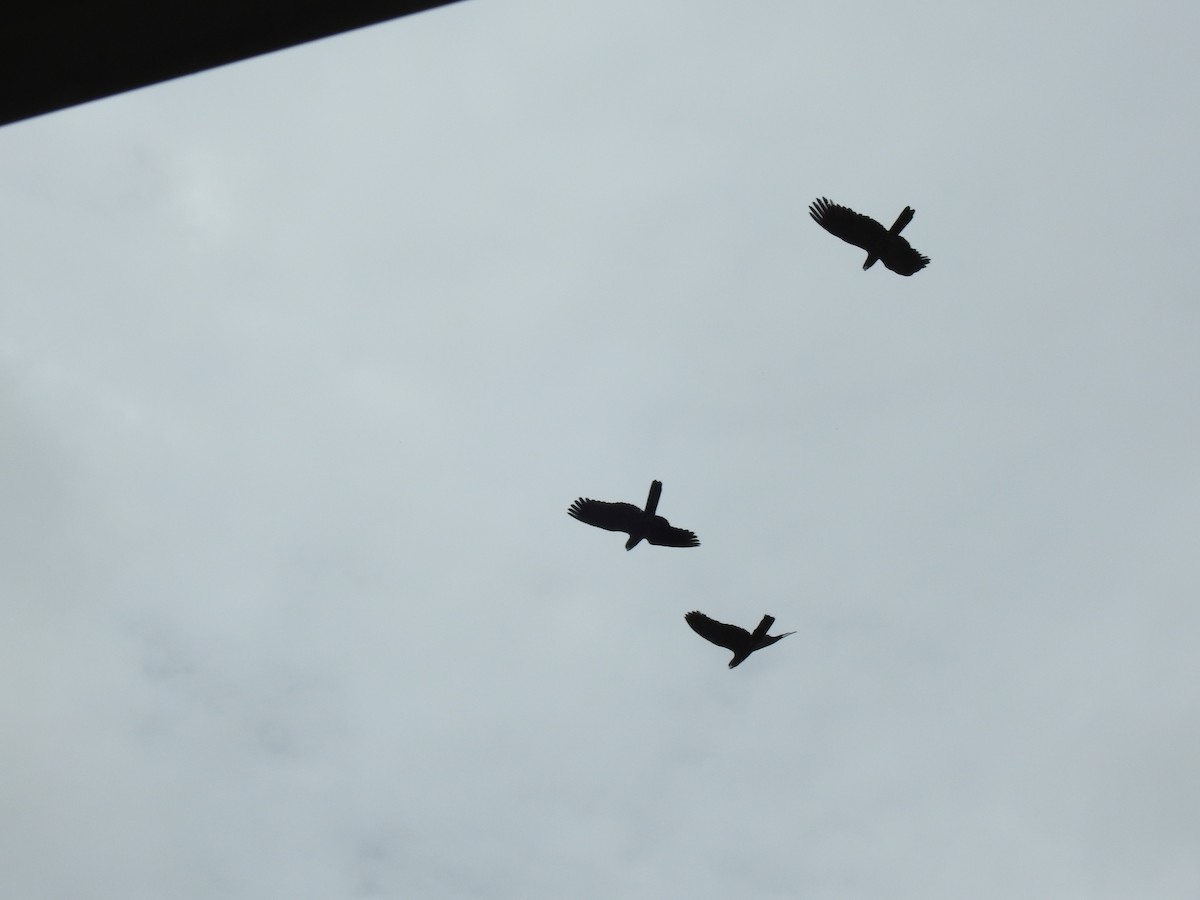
x=302, y=361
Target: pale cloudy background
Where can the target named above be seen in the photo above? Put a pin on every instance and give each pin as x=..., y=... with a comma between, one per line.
x=303, y=360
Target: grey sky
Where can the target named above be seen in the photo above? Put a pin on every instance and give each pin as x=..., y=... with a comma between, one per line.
x=302, y=361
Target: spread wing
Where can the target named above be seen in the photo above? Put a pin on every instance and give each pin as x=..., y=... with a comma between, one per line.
x=728, y=636
x=902, y=258
x=670, y=536
x=764, y=626
x=609, y=516
x=853, y=228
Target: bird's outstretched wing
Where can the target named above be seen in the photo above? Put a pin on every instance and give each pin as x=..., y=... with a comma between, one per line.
x=653, y=497
x=670, y=536
x=853, y=228
x=902, y=258
x=764, y=626
x=731, y=637
x=609, y=516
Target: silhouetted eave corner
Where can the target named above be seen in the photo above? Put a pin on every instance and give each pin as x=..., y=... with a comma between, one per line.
x=60, y=53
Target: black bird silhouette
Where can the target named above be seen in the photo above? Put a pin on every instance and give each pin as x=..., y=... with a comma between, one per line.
x=731, y=637
x=638, y=524
x=863, y=231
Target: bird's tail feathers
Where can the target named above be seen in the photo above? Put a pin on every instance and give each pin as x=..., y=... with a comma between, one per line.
x=903, y=219
x=652, y=499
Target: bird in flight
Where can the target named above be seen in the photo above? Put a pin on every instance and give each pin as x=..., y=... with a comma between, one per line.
x=731, y=637
x=863, y=231
x=638, y=524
